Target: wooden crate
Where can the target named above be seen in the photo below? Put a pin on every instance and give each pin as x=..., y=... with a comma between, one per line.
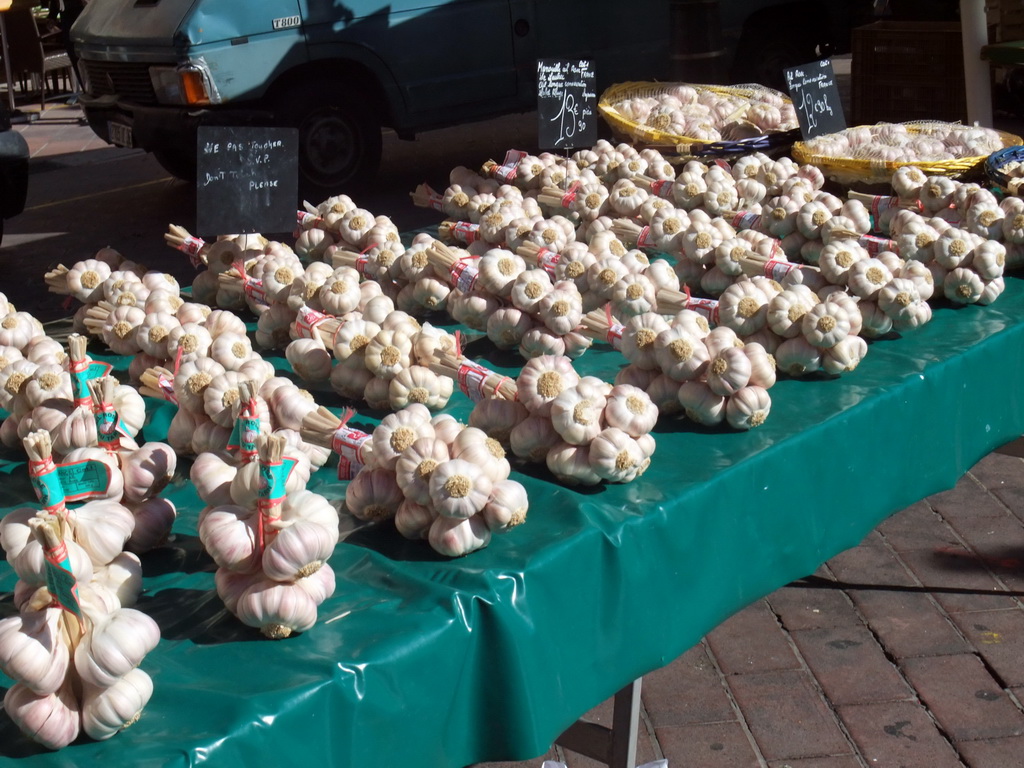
x=907, y=70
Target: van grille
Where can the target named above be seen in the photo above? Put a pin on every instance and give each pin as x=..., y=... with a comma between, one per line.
x=129, y=81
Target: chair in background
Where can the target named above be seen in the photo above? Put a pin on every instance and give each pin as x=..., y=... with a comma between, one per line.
x=29, y=59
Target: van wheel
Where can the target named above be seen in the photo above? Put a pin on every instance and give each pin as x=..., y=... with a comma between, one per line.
x=178, y=163
x=339, y=136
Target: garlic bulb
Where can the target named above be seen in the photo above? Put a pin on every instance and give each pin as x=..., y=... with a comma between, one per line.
x=414, y=520
x=576, y=414
x=154, y=518
x=50, y=719
x=506, y=507
x=298, y=549
x=122, y=576
x=101, y=528
x=106, y=711
x=373, y=494
x=114, y=645
x=415, y=466
x=615, y=456
x=457, y=489
x=32, y=651
x=455, y=536
x=229, y=533
x=277, y=609
x=570, y=464
x=630, y=409
x=147, y=470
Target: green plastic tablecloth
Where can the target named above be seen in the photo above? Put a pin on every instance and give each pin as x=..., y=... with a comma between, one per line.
x=418, y=660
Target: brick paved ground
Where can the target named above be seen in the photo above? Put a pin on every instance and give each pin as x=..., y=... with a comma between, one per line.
x=904, y=652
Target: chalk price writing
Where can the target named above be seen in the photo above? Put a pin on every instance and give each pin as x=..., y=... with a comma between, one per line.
x=813, y=106
x=568, y=86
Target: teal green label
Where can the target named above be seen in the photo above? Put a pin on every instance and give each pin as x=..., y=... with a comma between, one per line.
x=244, y=434
x=80, y=379
x=84, y=480
x=61, y=583
x=49, y=489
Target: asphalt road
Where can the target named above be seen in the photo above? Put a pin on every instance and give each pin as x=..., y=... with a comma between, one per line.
x=81, y=201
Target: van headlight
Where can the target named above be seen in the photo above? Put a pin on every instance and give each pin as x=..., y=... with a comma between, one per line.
x=189, y=84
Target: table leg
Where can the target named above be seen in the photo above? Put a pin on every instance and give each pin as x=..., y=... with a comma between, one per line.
x=615, y=746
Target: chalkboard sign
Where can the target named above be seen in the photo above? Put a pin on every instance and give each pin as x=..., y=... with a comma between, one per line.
x=247, y=180
x=816, y=98
x=566, y=103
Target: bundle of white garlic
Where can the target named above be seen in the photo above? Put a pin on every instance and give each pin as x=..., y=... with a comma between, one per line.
x=272, y=552
x=439, y=480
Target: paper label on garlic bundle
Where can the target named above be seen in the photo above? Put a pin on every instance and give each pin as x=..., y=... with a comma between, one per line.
x=308, y=220
x=706, y=307
x=273, y=478
x=244, y=434
x=306, y=322
x=348, y=444
x=348, y=469
x=548, y=260
x=614, y=335
x=876, y=245
x=84, y=480
x=570, y=195
x=166, y=386
x=644, y=239
x=662, y=188
x=191, y=246
x=82, y=372
x=465, y=232
x=777, y=270
x=254, y=291
x=60, y=581
x=46, y=482
x=507, y=171
x=471, y=381
x=464, y=275
x=746, y=220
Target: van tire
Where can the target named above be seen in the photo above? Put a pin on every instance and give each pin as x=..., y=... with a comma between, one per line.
x=181, y=165
x=339, y=135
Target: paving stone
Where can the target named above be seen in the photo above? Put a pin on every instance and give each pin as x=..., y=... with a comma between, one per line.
x=908, y=623
x=963, y=697
x=834, y=761
x=998, y=543
x=850, y=666
x=689, y=690
x=917, y=527
x=870, y=564
x=899, y=734
x=998, y=636
x=534, y=763
x=992, y=753
x=958, y=579
x=712, y=745
x=787, y=715
x=966, y=499
x=813, y=603
x=602, y=715
x=1001, y=476
x=730, y=642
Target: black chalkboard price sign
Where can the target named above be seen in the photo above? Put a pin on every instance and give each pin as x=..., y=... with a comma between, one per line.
x=816, y=98
x=247, y=180
x=566, y=103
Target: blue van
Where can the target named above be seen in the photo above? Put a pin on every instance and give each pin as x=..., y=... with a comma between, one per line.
x=340, y=70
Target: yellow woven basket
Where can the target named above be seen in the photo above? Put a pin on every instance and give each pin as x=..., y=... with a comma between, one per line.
x=630, y=129
x=847, y=170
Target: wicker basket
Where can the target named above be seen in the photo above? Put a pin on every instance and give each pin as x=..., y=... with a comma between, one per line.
x=687, y=145
x=998, y=160
x=847, y=170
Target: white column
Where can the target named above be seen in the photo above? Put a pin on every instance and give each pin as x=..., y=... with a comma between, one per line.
x=977, y=77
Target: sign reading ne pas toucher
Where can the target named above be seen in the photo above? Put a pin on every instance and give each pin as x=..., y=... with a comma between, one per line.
x=566, y=103
x=816, y=98
x=247, y=180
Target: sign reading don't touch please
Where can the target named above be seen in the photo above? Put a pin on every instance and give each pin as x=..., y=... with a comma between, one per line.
x=247, y=179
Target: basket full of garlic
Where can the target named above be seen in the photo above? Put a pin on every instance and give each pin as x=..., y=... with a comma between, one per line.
x=872, y=153
x=696, y=116
x=1005, y=169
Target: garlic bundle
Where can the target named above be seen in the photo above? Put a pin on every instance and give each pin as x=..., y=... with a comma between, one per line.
x=439, y=480
x=71, y=652
x=272, y=553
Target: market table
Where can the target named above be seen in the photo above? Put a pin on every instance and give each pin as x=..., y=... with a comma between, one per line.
x=418, y=660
